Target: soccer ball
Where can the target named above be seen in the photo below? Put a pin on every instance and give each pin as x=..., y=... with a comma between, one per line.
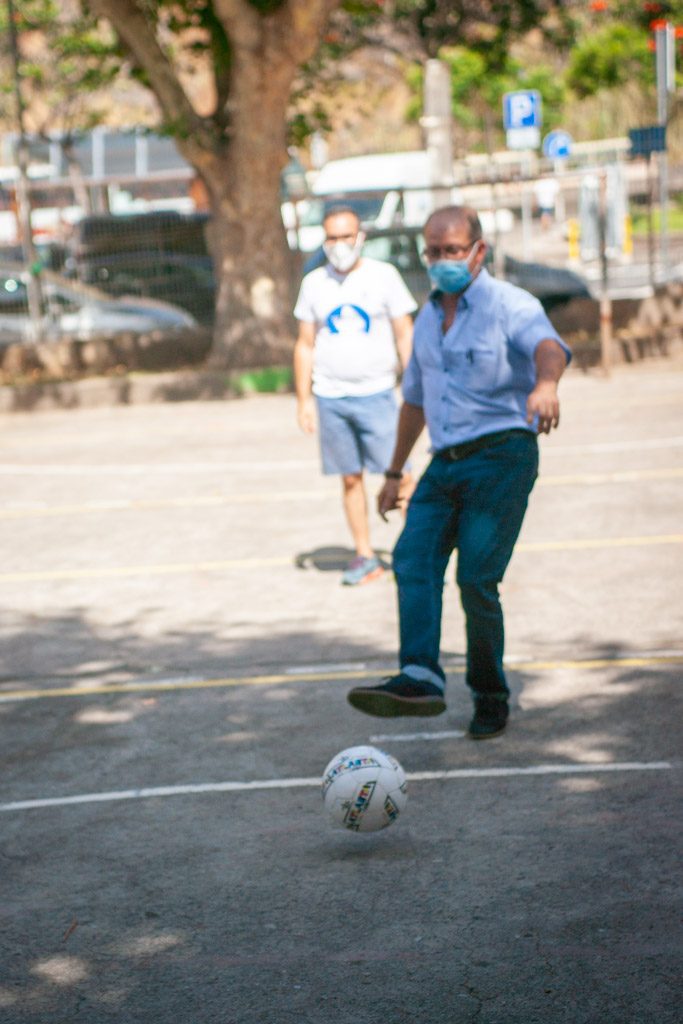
x=364, y=789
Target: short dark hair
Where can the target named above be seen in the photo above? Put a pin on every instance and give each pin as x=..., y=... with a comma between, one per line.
x=465, y=215
x=338, y=208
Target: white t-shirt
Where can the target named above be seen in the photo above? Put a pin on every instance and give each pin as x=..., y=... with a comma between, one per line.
x=355, y=351
x=546, y=190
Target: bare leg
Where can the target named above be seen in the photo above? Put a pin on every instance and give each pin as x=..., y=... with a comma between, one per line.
x=356, y=509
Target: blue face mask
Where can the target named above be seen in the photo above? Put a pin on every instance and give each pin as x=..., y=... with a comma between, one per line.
x=451, y=276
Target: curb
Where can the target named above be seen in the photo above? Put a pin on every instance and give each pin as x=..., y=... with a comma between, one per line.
x=141, y=388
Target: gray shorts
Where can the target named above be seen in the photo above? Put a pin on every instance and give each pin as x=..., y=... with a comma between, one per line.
x=357, y=433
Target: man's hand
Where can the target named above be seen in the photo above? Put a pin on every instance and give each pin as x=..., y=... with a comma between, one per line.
x=305, y=414
x=389, y=497
x=544, y=403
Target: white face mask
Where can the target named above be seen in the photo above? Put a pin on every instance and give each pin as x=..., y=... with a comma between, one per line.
x=343, y=255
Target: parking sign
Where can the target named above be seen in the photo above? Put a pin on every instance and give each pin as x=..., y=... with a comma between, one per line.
x=522, y=109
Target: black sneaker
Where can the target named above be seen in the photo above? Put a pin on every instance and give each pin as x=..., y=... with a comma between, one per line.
x=490, y=717
x=398, y=695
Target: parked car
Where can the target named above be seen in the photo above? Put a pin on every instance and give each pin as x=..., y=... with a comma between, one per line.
x=384, y=188
x=183, y=279
x=552, y=285
x=164, y=231
x=160, y=254
x=80, y=312
x=402, y=246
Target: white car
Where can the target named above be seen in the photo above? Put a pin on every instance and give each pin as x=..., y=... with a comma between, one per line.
x=79, y=311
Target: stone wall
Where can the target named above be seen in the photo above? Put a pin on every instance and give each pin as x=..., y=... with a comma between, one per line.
x=641, y=328
x=70, y=359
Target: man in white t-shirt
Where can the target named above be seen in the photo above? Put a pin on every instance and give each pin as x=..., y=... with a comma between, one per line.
x=546, y=191
x=355, y=331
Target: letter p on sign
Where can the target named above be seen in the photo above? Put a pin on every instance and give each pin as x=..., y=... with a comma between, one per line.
x=522, y=109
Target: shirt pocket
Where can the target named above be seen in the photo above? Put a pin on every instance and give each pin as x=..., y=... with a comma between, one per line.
x=474, y=365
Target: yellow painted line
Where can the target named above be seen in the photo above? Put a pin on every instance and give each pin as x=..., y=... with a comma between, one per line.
x=178, y=568
x=30, y=511
x=168, y=569
x=192, y=684
x=40, y=511
x=592, y=663
x=318, y=677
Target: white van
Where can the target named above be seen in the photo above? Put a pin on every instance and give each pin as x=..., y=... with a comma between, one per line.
x=385, y=188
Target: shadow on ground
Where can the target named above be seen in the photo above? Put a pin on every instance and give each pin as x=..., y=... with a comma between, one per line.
x=334, y=559
x=524, y=901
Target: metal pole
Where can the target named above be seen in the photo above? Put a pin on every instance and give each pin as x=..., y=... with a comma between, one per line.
x=498, y=261
x=650, y=221
x=436, y=123
x=605, y=300
x=665, y=58
x=527, y=211
x=22, y=189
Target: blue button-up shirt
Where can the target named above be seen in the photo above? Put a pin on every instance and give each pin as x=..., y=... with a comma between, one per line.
x=475, y=379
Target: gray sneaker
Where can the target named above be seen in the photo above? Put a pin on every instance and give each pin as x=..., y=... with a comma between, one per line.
x=362, y=570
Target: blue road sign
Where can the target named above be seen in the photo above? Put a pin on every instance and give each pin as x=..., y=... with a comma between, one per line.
x=522, y=109
x=557, y=144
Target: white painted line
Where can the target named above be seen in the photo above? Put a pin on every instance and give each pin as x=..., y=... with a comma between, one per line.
x=254, y=466
x=542, y=769
x=135, y=469
x=412, y=737
x=300, y=783
x=613, y=446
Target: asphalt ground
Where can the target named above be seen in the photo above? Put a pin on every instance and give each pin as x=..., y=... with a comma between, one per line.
x=176, y=649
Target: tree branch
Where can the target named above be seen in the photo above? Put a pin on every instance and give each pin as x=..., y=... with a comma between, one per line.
x=305, y=21
x=139, y=38
x=295, y=25
x=241, y=22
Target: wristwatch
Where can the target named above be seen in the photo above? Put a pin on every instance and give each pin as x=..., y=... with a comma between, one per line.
x=393, y=474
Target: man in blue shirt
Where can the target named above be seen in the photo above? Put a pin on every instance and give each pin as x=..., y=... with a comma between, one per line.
x=483, y=376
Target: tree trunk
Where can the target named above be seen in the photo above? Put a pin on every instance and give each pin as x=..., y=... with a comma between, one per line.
x=239, y=154
x=254, y=267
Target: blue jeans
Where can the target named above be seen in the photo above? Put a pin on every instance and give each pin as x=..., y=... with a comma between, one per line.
x=477, y=506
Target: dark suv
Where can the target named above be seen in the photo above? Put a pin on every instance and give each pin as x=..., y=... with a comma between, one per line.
x=161, y=255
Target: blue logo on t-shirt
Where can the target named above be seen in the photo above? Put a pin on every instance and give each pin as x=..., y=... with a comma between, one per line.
x=349, y=313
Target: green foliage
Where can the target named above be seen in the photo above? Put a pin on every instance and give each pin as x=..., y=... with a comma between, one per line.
x=303, y=125
x=643, y=12
x=487, y=28
x=477, y=90
x=610, y=58
x=79, y=60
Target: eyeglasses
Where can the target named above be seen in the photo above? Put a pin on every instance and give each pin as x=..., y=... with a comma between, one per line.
x=448, y=252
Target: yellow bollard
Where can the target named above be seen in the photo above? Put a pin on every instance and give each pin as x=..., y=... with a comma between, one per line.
x=573, y=239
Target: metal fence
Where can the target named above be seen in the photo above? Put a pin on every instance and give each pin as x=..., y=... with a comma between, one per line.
x=154, y=243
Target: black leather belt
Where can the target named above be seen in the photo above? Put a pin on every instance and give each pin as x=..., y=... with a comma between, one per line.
x=456, y=452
